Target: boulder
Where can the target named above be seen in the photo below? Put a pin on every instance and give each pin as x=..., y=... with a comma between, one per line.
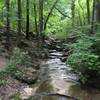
x=63, y=59
x=28, y=75
x=26, y=93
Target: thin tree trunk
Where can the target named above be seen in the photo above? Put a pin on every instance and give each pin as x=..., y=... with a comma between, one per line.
x=35, y=18
x=2, y=14
x=80, y=20
x=8, y=25
x=97, y=11
x=41, y=20
x=50, y=12
x=19, y=20
x=88, y=10
x=27, y=19
x=93, y=18
x=61, y=12
x=36, y=26
x=73, y=12
x=82, y=13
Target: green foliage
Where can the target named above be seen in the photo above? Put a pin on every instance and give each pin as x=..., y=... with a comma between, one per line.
x=18, y=59
x=3, y=75
x=85, y=58
x=58, y=23
x=96, y=45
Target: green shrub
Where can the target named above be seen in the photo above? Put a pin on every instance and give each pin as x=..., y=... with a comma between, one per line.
x=85, y=58
x=96, y=44
x=19, y=58
x=3, y=75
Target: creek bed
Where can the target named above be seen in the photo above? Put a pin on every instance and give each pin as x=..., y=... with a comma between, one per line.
x=58, y=82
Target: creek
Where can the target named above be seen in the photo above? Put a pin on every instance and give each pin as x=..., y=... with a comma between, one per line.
x=58, y=82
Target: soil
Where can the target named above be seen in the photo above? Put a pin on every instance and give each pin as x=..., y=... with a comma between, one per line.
x=11, y=87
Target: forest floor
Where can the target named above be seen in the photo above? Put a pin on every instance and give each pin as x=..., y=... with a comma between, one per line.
x=2, y=63
x=8, y=85
x=12, y=85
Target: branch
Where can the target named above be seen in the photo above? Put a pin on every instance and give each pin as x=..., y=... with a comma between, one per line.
x=62, y=13
x=50, y=12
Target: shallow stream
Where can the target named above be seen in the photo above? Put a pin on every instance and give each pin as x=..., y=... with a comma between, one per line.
x=58, y=82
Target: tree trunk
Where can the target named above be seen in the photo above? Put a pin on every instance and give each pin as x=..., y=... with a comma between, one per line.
x=8, y=25
x=46, y=21
x=83, y=13
x=80, y=20
x=36, y=26
x=27, y=19
x=88, y=10
x=93, y=18
x=73, y=12
x=41, y=20
x=98, y=11
x=19, y=20
x=35, y=18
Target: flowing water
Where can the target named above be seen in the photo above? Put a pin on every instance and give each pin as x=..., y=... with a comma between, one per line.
x=59, y=83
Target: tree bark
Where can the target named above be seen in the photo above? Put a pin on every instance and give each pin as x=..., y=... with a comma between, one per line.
x=36, y=26
x=80, y=20
x=83, y=13
x=8, y=25
x=41, y=4
x=73, y=12
x=19, y=20
x=93, y=18
x=97, y=11
x=88, y=10
x=35, y=18
x=27, y=19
